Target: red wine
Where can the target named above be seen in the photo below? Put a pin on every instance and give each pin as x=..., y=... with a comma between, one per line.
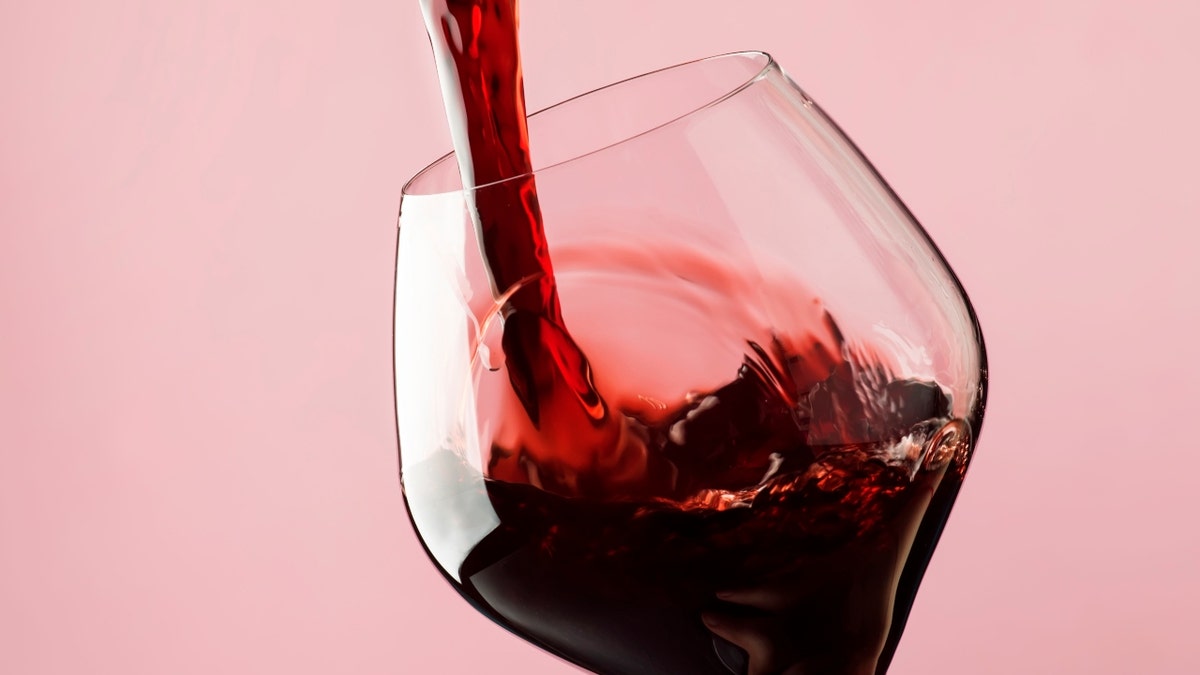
x=778, y=522
x=479, y=62
x=772, y=531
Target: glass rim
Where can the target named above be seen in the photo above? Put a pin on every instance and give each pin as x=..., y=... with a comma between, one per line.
x=768, y=64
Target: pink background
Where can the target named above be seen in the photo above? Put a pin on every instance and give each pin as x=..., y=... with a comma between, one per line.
x=197, y=220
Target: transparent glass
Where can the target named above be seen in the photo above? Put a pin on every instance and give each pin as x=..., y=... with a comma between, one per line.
x=702, y=219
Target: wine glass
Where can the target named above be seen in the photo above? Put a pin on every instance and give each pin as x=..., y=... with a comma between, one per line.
x=800, y=372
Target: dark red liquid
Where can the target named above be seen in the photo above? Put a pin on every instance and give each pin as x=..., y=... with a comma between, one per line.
x=788, y=487
x=772, y=525
x=478, y=39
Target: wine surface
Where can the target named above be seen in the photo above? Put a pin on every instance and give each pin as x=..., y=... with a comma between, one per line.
x=779, y=522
